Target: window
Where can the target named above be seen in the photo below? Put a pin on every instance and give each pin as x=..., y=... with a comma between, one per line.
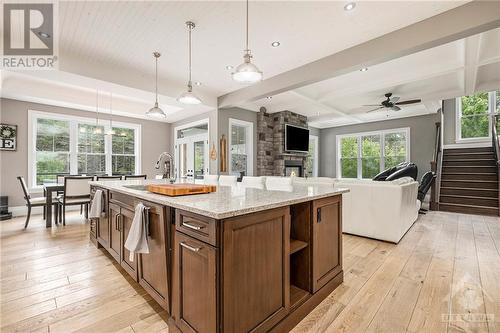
x=91, y=154
x=123, y=151
x=61, y=144
x=240, y=147
x=311, y=163
x=364, y=155
x=474, y=115
x=52, y=149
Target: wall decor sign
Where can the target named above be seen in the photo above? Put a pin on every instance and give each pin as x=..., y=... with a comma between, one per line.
x=8, y=137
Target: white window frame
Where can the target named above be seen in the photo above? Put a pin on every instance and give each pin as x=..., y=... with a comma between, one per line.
x=315, y=139
x=249, y=143
x=458, y=120
x=33, y=117
x=382, y=134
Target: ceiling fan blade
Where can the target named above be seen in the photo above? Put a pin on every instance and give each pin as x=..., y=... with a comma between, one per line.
x=411, y=101
x=381, y=107
x=372, y=105
x=395, y=108
x=394, y=99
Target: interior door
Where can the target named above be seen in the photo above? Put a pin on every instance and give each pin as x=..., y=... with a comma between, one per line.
x=115, y=242
x=327, y=240
x=191, y=157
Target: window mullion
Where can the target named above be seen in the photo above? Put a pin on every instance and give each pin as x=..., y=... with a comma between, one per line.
x=73, y=151
x=107, y=150
x=360, y=158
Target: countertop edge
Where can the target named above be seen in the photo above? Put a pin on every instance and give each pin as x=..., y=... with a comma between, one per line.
x=161, y=199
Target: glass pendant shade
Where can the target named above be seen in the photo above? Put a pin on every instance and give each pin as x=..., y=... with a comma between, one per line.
x=247, y=72
x=156, y=112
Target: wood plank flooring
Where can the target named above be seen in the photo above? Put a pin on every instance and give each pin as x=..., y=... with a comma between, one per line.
x=442, y=277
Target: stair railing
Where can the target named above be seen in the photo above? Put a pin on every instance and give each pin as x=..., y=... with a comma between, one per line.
x=436, y=165
x=496, y=149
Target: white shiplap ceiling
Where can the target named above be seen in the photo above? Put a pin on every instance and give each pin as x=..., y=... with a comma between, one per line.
x=111, y=43
x=451, y=70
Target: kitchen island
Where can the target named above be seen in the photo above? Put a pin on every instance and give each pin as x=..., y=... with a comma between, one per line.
x=236, y=260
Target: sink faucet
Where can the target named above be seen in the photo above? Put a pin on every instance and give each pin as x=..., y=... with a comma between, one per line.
x=168, y=166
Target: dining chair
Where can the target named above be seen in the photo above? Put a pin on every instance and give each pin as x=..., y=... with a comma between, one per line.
x=76, y=192
x=32, y=202
x=127, y=177
x=313, y=180
x=210, y=179
x=253, y=182
x=109, y=178
x=225, y=180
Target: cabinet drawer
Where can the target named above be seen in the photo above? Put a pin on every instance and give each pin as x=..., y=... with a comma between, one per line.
x=122, y=200
x=197, y=226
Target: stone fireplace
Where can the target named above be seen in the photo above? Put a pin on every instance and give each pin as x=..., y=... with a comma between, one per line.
x=272, y=159
x=294, y=168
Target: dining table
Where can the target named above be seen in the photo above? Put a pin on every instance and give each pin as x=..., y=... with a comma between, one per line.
x=50, y=188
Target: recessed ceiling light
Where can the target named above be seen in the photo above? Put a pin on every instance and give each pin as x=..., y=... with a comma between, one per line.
x=43, y=34
x=364, y=69
x=198, y=83
x=229, y=67
x=275, y=44
x=350, y=6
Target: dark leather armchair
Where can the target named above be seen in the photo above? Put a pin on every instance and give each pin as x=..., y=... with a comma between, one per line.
x=409, y=170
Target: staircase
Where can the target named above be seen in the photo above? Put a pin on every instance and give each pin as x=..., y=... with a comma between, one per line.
x=469, y=181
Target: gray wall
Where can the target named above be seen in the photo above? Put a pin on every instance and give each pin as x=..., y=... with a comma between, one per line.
x=449, y=121
x=240, y=114
x=212, y=134
x=155, y=139
x=422, y=137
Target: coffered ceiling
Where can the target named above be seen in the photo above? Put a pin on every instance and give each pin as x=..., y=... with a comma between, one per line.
x=109, y=44
x=451, y=70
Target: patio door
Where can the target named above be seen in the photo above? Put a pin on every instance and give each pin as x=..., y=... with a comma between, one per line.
x=191, y=155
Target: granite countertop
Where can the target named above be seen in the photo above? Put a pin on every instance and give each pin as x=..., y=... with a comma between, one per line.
x=227, y=201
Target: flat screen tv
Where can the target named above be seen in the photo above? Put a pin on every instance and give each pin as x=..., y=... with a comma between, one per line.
x=296, y=139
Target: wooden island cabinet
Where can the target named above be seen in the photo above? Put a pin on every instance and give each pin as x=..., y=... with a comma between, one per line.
x=263, y=271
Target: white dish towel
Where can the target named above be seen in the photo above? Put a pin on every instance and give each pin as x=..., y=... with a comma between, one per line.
x=96, y=208
x=137, y=239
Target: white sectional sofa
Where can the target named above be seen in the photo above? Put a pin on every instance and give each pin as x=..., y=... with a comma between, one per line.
x=380, y=210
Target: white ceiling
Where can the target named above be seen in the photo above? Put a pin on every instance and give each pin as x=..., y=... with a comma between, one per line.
x=109, y=44
x=451, y=70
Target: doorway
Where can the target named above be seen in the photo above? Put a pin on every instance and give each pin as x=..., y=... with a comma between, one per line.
x=191, y=150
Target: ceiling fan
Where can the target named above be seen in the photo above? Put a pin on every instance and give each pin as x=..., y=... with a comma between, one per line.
x=392, y=103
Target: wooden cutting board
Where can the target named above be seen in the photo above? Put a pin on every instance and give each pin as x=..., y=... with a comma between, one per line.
x=175, y=190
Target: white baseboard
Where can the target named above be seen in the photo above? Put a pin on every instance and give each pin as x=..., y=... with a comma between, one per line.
x=23, y=210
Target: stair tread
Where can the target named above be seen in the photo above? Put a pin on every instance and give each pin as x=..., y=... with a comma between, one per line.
x=468, y=188
x=467, y=196
x=470, y=173
x=468, y=166
x=468, y=206
x=469, y=180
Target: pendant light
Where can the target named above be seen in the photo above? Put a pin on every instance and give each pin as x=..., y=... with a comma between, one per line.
x=110, y=131
x=97, y=129
x=155, y=111
x=247, y=72
x=189, y=97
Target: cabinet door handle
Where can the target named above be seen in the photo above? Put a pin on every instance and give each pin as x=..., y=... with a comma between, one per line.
x=116, y=221
x=192, y=226
x=318, y=215
x=189, y=247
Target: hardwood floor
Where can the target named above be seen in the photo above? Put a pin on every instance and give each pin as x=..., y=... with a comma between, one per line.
x=442, y=277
